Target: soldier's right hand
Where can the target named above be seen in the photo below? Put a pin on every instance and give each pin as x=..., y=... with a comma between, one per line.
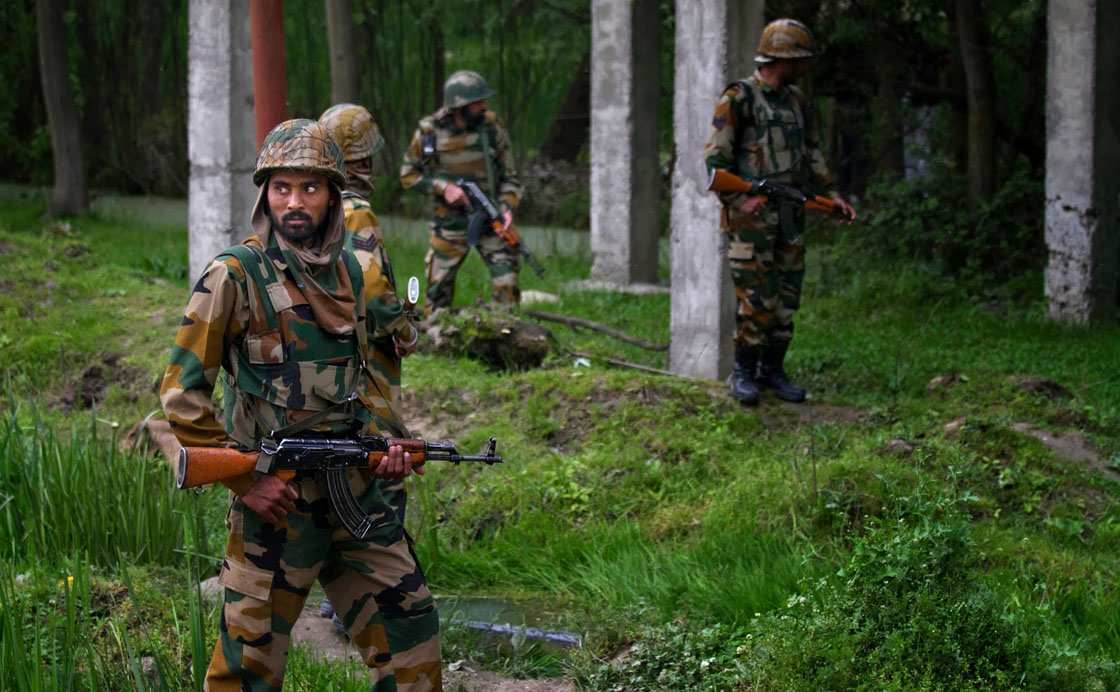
x=753, y=205
x=455, y=196
x=270, y=497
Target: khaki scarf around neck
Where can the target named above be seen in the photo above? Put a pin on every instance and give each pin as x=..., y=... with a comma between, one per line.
x=319, y=269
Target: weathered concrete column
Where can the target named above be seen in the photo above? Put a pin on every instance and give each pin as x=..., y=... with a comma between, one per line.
x=625, y=134
x=715, y=44
x=220, y=138
x=1082, y=159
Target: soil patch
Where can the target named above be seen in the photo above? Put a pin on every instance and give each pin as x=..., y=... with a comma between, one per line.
x=89, y=388
x=1072, y=447
x=1040, y=386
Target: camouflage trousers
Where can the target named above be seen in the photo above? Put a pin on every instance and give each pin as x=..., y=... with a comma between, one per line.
x=447, y=253
x=767, y=270
x=375, y=585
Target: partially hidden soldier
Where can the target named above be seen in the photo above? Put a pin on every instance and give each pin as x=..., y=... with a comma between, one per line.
x=464, y=140
x=284, y=315
x=763, y=129
x=393, y=335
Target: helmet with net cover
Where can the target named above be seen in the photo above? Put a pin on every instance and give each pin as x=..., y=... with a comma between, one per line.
x=354, y=130
x=303, y=145
x=464, y=87
x=785, y=38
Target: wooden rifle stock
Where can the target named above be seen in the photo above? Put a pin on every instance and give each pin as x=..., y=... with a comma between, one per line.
x=723, y=181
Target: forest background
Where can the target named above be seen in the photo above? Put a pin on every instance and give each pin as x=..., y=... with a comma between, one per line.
x=949, y=96
x=940, y=516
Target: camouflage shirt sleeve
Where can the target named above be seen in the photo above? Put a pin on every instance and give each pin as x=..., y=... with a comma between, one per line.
x=719, y=151
x=216, y=314
x=414, y=174
x=509, y=185
x=383, y=308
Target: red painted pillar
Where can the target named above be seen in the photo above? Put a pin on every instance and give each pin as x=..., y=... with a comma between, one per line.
x=270, y=81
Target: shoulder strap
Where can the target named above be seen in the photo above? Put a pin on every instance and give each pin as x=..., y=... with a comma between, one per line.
x=256, y=263
x=485, y=134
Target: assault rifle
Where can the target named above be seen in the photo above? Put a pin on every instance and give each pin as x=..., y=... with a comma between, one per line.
x=328, y=458
x=722, y=181
x=486, y=212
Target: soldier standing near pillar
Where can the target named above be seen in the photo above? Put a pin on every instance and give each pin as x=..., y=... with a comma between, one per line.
x=763, y=128
x=464, y=140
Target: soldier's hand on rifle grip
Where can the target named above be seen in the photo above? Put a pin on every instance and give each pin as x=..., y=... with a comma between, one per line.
x=753, y=205
x=849, y=212
x=454, y=195
x=270, y=497
x=507, y=221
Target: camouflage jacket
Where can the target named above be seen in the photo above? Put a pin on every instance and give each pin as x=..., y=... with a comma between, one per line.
x=384, y=311
x=248, y=317
x=453, y=154
x=762, y=132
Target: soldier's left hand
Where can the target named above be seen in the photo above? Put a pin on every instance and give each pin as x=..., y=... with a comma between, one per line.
x=849, y=212
x=396, y=464
x=507, y=220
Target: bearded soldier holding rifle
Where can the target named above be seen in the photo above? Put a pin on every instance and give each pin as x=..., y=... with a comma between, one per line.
x=284, y=315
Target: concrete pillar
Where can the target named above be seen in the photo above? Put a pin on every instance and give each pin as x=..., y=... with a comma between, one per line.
x=220, y=136
x=1082, y=159
x=625, y=138
x=715, y=43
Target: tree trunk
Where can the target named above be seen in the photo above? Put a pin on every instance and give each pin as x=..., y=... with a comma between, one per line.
x=438, y=61
x=344, y=58
x=70, y=193
x=980, y=89
x=889, y=144
x=567, y=132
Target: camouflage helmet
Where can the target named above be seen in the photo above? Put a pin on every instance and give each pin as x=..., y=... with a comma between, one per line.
x=301, y=144
x=785, y=38
x=464, y=87
x=354, y=130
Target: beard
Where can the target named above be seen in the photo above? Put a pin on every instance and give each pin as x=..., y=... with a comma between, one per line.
x=299, y=235
x=475, y=120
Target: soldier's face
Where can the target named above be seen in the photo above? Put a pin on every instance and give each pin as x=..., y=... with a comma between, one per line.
x=475, y=112
x=298, y=202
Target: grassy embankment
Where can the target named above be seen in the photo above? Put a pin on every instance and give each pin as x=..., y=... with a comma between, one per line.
x=854, y=540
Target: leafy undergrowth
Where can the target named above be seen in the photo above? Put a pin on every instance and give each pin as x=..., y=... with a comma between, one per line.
x=941, y=514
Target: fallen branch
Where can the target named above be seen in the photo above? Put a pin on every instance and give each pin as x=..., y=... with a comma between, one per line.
x=621, y=363
x=578, y=322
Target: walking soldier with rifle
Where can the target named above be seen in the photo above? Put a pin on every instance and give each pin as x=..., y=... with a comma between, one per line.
x=464, y=140
x=762, y=131
x=284, y=315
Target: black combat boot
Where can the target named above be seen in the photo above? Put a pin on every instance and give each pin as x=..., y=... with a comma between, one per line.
x=742, y=380
x=771, y=373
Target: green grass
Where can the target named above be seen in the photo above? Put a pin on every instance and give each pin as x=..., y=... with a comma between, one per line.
x=631, y=506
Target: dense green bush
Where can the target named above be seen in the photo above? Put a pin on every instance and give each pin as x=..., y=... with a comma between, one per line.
x=910, y=611
x=935, y=219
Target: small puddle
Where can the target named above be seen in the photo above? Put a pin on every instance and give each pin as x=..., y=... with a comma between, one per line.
x=501, y=617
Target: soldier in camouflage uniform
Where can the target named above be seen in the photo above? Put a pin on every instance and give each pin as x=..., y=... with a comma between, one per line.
x=284, y=315
x=763, y=128
x=464, y=139
x=395, y=335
